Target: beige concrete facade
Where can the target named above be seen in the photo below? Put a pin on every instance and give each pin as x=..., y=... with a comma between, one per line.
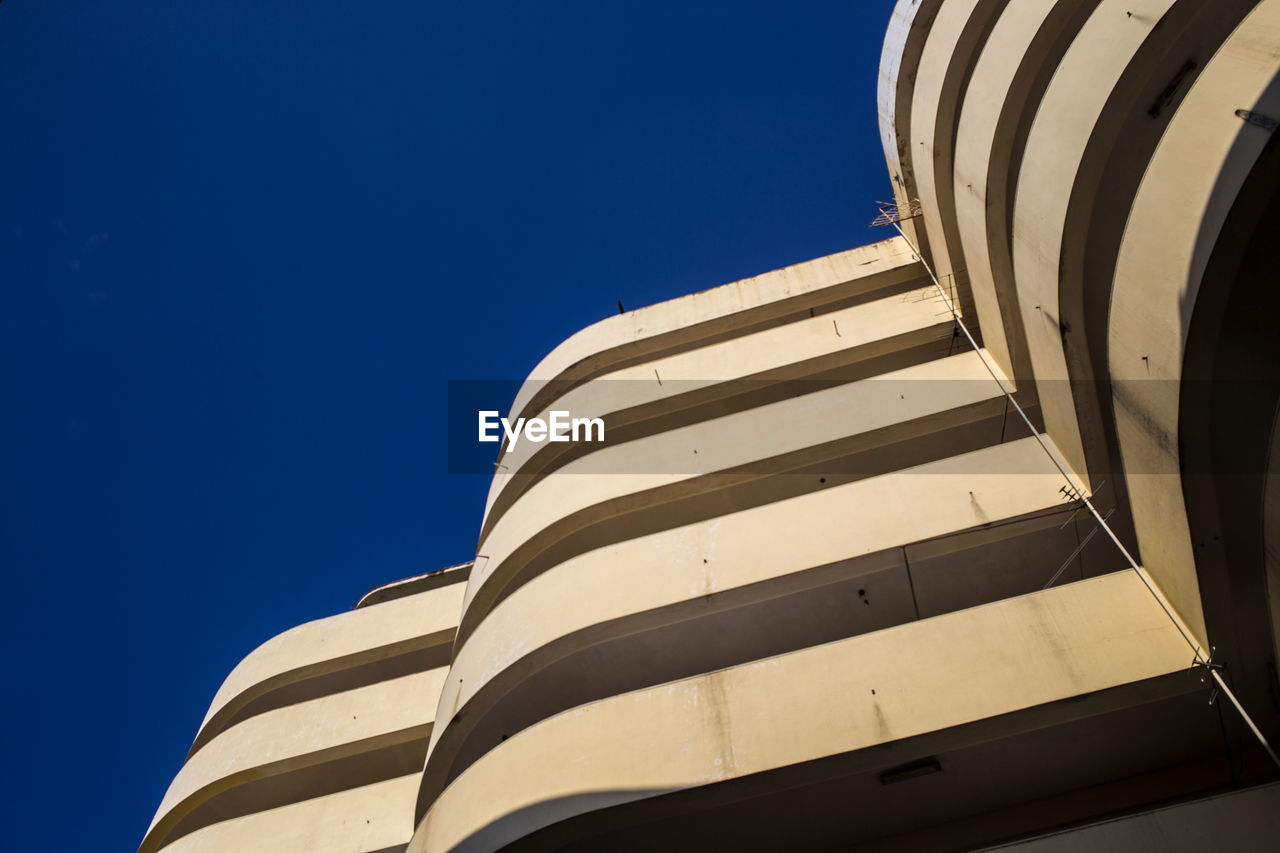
x=822, y=589
x=316, y=740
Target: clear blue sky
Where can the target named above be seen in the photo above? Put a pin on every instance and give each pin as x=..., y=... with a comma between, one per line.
x=243, y=247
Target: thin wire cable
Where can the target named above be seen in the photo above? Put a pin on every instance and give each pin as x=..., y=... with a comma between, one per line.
x=1075, y=553
x=1079, y=493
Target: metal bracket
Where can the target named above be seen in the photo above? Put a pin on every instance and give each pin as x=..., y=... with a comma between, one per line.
x=1206, y=669
x=891, y=213
x=1071, y=493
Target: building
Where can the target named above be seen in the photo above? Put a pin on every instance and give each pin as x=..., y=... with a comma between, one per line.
x=823, y=589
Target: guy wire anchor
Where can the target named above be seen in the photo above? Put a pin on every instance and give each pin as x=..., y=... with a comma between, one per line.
x=1210, y=670
x=1207, y=670
x=1080, y=506
x=1072, y=494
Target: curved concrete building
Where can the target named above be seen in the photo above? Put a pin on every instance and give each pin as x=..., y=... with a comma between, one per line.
x=823, y=587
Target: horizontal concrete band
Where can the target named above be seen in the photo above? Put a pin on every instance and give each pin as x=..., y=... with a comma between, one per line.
x=406, y=587
x=803, y=706
x=909, y=327
x=711, y=315
x=356, y=737
x=731, y=451
x=852, y=562
x=337, y=675
x=358, y=765
x=330, y=645
x=374, y=818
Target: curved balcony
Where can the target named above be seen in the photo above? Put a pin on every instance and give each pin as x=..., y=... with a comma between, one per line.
x=732, y=462
x=799, y=708
x=882, y=330
x=1005, y=86
x=338, y=653
x=320, y=824
x=1198, y=170
x=716, y=314
x=716, y=593
x=331, y=711
x=306, y=750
